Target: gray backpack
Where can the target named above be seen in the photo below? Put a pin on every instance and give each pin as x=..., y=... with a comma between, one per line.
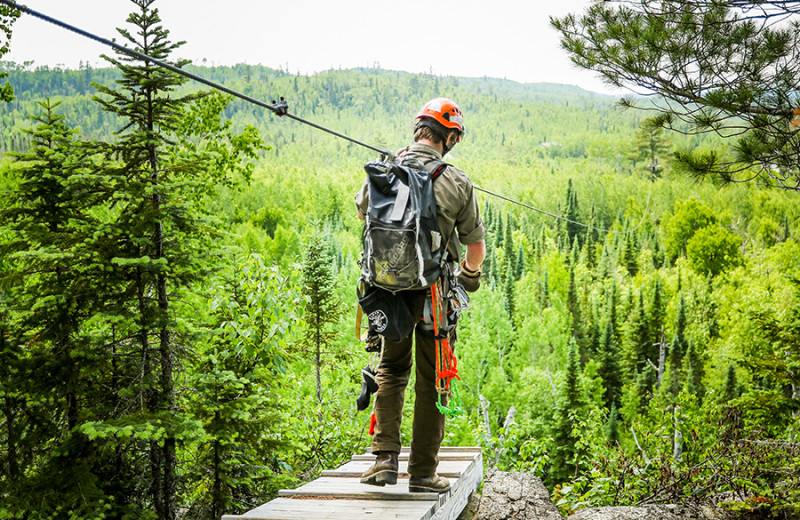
x=403, y=247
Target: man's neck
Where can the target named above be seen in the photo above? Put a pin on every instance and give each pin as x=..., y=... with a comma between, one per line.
x=437, y=146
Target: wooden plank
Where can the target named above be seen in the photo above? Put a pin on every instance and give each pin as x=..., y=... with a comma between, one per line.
x=447, y=468
x=307, y=509
x=352, y=488
x=338, y=494
x=466, y=485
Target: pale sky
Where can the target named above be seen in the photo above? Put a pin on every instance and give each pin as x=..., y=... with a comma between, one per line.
x=472, y=38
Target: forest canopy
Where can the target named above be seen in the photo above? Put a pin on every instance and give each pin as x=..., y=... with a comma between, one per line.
x=167, y=346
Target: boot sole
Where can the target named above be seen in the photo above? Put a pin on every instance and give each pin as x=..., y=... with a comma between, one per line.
x=381, y=478
x=417, y=489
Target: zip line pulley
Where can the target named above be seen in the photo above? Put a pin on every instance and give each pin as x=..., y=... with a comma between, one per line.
x=279, y=108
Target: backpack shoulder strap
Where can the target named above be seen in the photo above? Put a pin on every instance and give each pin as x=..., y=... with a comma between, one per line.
x=435, y=168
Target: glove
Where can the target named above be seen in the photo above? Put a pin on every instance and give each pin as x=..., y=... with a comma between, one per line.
x=469, y=280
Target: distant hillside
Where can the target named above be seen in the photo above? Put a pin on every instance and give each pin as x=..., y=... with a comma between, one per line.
x=372, y=104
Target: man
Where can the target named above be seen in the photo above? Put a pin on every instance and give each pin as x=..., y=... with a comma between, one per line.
x=439, y=127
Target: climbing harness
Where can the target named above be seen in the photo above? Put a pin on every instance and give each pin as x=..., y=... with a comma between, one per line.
x=280, y=108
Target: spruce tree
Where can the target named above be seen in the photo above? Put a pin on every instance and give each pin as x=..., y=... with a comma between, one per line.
x=609, y=368
x=568, y=405
x=730, y=389
x=679, y=346
x=574, y=308
x=612, y=426
x=152, y=250
x=321, y=311
x=171, y=154
x=592, y=238
x=656, y=313
x=593, y=349
x=628, y=256
x=51, y=368
x=637, y=345
x=519, y=264
x=695, y=371
x=509, y=290
x=611, y=311
x=573, y=229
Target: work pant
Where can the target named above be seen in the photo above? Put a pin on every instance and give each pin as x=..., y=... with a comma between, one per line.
x=393, y=376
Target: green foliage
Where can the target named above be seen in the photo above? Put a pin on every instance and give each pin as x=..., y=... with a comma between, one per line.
x=567, y=413
x=713, y=250
x=649, y=145
x=321, y=305
x=7, y=17
x=234, y=391
x=564, y=335
x=688, y=218
x=719, y=67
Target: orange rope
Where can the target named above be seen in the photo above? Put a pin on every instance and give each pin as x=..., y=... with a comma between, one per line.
x=446, y=363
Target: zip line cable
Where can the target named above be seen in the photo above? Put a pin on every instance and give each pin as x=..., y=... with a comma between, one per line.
x=280, y=108
x=566, y=219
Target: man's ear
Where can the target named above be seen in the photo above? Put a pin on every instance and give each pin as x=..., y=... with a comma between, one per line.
x=452, y=139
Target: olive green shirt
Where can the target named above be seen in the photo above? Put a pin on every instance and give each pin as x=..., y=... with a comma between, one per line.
x=456, y=206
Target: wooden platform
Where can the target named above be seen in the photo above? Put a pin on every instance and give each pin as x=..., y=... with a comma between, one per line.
x=338, y=494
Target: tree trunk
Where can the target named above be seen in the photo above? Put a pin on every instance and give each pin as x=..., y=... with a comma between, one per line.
x=11, y=438
x=662, y=354
x=166, y=390
x=216, y=491
x=319, y=367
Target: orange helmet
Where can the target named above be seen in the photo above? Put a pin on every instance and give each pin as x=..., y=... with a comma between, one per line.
x=445, y=112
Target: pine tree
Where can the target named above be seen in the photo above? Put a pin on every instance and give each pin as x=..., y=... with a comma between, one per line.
x=753, y=87
x=648, y=146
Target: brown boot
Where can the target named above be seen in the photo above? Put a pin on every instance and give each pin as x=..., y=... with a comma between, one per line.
x=434, y=484
x=383, y=472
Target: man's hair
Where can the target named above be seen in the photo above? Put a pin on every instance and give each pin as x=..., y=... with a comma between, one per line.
x=432, y=130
